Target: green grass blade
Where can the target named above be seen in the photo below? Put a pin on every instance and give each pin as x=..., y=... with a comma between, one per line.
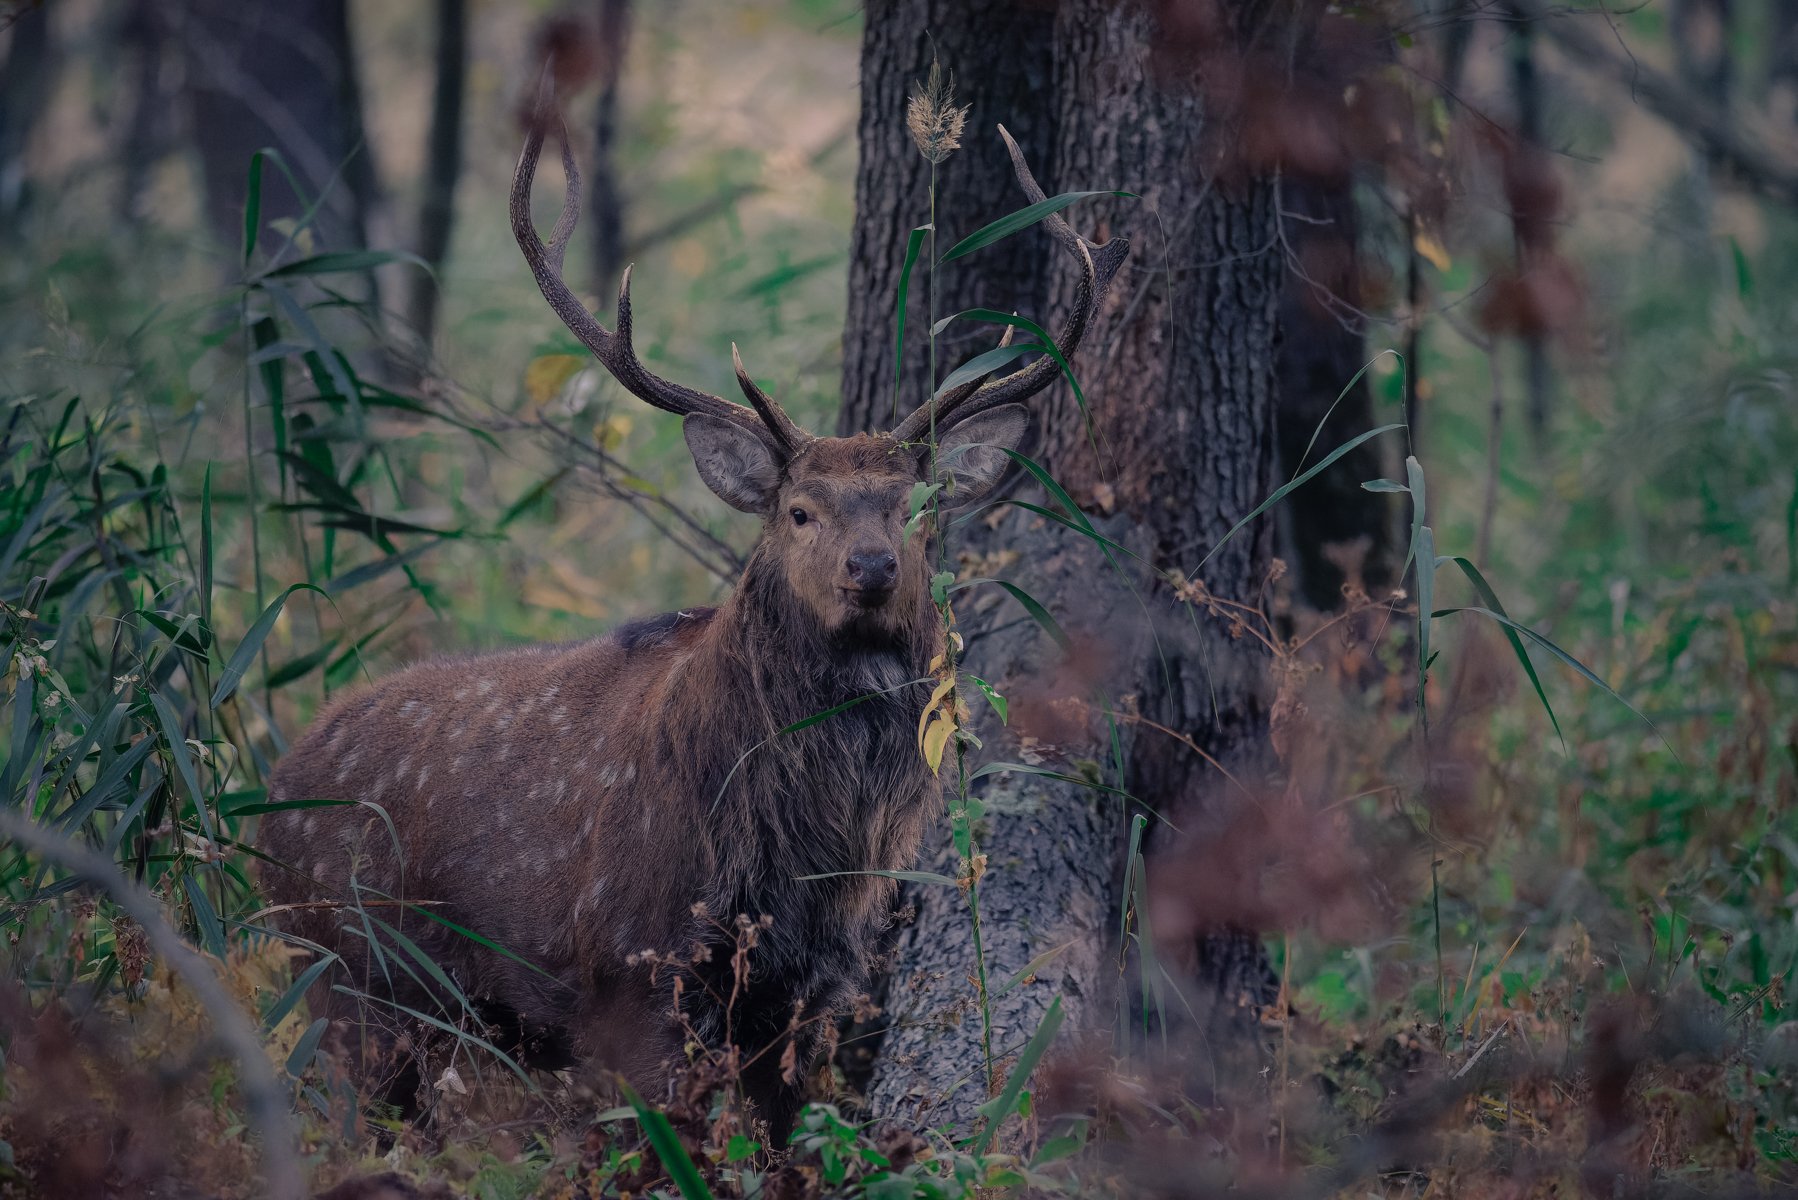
x=983, y=364
x=295, y=991
x=1022, y=219
x=345, y=260
x=1031, y=605
x=1579, y=667
x=906, y=876
x=675, y=1159
x=1419, y=508
x=1292, y=486
x=914, y=244
x=306, y=1047
x=1006, y=1102
x=245, y=654
x=1511, y=635
x=183, y=759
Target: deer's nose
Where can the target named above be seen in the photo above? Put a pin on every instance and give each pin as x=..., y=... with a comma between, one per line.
x=873, y=568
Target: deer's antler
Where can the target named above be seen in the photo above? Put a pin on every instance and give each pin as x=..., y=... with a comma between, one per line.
x=1098, y=264
x=613, y=348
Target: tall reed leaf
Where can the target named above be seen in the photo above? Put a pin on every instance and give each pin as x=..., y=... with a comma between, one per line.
x=1022, y=219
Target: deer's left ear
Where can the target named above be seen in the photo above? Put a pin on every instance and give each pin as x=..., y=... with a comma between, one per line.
x=971, y=454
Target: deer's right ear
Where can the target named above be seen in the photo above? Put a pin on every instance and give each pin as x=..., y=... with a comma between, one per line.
x=733, y=461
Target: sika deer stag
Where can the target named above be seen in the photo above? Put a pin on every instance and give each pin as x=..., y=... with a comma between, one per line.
x=579, y=804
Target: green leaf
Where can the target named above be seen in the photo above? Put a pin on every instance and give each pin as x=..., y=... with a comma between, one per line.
x=993, y=698
x=1022, y=219
x=1293, y=485
x=252, y=206
x=1419, y=510
x=212, y=933
x=296, y=990
x=1426, y=592
x=1384, y=485
x=1006, y=1102
x=905, y=876
x=1030, y=968
x=913, y=244
x=1491, y=598
x=983, y=364
x=184, y=764
x=1044, y=341
x=345, y=260
x=1584, y=671
x=1031, y=605
x=246, y=650
x=306, y=1047
x=299, y=668
x=662, y=1137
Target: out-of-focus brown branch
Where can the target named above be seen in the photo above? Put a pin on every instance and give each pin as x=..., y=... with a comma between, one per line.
x=1717, y=131
x=284, y=1178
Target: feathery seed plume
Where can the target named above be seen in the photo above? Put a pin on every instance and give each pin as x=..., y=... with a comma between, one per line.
x=931, y=115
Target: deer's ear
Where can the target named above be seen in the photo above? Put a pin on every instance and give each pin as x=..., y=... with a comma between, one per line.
x=973, y=451
x=733, y=461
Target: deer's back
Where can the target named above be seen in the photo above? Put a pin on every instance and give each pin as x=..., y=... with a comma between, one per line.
x=494, y=788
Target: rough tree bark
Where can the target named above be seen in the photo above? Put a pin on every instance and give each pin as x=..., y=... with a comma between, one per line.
x=1181, y=386
x=1332, y=522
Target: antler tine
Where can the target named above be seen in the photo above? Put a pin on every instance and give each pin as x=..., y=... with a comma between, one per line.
x=772, y=414
x=1098, y=264
x=613, y=349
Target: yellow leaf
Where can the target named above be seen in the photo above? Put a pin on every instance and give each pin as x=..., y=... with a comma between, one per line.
x=942, y=689
x=1427, y=245
x=545, y=376
x=611, y=432
x=935, y=738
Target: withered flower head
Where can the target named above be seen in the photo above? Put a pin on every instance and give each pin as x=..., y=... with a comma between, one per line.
x=931, y=115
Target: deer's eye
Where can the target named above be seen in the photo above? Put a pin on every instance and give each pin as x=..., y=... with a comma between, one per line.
x=800, y=516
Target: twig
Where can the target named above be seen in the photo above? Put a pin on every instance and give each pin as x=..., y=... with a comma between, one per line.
x=1484, y=1046
x=284, y=1176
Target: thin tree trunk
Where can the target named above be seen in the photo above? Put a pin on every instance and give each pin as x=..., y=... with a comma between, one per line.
x=281, y=76
x=605, y=201
x=26, y=78
x=144, y=38
x=1181, y=390
x=1526, y=87
x=1331, y=523
x=1782, y=68
x=443, y=165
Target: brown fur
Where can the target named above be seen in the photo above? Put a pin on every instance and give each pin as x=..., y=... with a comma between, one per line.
x=576, y=803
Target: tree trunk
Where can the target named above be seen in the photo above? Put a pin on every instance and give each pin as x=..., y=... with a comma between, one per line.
x=1181, y=389
x=605, y=201
x=282, y=76
x=1331, y=527
x=443, y=165
x=26, y=78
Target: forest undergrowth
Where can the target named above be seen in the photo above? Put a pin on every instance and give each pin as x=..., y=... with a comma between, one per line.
x=1525, y=860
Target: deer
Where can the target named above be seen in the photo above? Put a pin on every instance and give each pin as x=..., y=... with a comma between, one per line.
x=583, y=805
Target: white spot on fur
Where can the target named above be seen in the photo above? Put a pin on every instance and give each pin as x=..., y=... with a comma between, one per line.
x=318, y=870
x=424, y=773
x=311, y=826
x=461, y=693
x=587, y=826
x=608, y=776
x=630, y=772
x=484, y=686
